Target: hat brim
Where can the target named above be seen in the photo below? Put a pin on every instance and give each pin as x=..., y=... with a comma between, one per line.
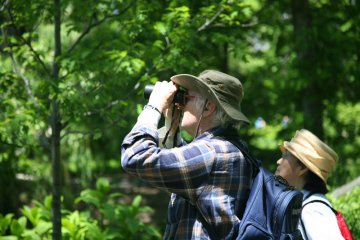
x=191, y=82
x=311, y=167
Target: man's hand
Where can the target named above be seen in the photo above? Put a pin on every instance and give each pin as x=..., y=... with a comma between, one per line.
x=162, y=95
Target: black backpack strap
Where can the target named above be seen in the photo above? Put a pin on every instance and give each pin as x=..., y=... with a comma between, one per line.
x=240, y=144
x=208, y=227
x=318, y=200
x=321, y=201
x=304, y=229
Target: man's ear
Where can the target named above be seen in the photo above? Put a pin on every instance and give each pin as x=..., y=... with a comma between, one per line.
x=209, y=109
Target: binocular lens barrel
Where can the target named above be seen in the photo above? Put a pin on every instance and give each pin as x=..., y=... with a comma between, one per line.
x=148, y=90
x=179, y=96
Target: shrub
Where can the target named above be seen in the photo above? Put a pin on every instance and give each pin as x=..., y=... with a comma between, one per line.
x=104, y=217
x=349, y=206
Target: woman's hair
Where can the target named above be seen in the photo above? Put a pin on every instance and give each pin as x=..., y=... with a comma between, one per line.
x=315, y=184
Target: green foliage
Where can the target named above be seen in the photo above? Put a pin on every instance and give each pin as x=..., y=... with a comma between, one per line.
x=343, y=128
x=105, y=216
x=349, y=206
x=111, y=49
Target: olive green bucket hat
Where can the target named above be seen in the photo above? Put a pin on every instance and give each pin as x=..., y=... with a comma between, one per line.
x=224, y=90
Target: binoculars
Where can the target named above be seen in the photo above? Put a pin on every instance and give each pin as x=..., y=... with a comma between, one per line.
x=179, y=97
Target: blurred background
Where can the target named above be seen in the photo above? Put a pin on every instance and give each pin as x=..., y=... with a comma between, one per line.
x=72, y=75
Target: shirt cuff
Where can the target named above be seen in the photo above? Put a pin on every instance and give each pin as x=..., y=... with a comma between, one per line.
x=149, y=116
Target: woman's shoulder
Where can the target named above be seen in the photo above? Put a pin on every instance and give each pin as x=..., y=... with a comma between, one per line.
x=315, y=197
x=317, y=203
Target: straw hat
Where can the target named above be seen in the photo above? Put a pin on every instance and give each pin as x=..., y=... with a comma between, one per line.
x=224, y=90
x=312, y=152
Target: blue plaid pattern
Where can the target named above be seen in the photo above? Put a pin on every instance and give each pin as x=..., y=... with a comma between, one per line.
x=208, y=176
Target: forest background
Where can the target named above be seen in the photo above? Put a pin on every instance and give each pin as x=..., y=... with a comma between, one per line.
x=72, y=75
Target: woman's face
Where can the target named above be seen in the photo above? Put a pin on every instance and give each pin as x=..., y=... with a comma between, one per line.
x=289, y=168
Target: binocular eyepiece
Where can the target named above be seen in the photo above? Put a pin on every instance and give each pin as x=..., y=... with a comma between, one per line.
x=179, y=97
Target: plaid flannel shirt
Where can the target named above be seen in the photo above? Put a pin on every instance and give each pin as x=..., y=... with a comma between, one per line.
x=208, y=176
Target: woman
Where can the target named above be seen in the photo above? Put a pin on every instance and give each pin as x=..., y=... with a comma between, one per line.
x=306, y=164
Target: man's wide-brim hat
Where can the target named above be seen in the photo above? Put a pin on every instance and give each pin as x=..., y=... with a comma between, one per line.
x=316, y=155
x=224, y=90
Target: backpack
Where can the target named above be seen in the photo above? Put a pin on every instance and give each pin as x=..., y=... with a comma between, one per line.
x=344, y=229
x=273, y=209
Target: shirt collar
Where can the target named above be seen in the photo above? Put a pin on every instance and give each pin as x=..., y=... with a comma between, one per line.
x=217, y=131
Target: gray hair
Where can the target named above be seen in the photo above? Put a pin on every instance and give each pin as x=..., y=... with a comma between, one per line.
x=224, y=120
x=220, y=118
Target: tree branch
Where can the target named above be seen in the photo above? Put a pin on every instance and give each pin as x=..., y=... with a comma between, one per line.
x=19, y=73
x=342, y=190
x=134, y=88
x=25, y=79
x=117, y=101
x=91, y=25
x=209, y=22
x=4, y=6
x=84, y=133
x=36, y=54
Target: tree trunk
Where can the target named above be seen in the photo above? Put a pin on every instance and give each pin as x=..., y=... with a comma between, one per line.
x=224, y=57
x=312, y=100
x=313, y=111
x=56, y=129
x=9, y=190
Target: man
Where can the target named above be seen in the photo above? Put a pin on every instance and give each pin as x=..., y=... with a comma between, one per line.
x=209, y=179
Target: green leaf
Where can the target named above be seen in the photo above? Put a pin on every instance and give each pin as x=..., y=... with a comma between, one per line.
x=346, y=26
x=137, y=64
x=159, y=44
x=32, y=234
x=48, y=201
x=137, y=201
x=103, y=185
x=133, y=225
x=115, y=195
x=160, y=27
x=5, y=222
x=90, y=196
x=94, y=231
x=17, y=228
x=31, y=214
x=42, y=227
x=8, y=238
x=22, y=221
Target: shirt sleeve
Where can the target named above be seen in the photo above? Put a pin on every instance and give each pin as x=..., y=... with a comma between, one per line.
x=320, y=222
x=181, y=170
